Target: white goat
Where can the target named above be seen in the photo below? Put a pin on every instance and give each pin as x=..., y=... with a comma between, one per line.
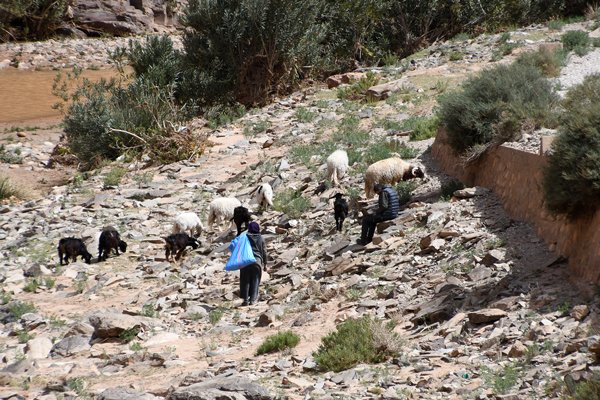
x=188, y=222
x=337, y=165
x=221, y=209
x=390, y=171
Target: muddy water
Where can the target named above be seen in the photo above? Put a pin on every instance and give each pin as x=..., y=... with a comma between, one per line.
x=27, y=95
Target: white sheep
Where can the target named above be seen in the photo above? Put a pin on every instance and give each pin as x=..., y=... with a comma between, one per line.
x=337, y=165
x=264, y=195
x=221, y=209
x=188, y=222
x=390, y=171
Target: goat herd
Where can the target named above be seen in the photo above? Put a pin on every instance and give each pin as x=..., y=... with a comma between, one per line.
x=187, y=225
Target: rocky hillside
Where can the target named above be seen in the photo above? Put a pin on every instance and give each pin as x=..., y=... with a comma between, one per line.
x=484, y=310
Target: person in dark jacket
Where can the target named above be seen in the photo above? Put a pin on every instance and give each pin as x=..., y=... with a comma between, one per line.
x=250, y=275
x=388, y=208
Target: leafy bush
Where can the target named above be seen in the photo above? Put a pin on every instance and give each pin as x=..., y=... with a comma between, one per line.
x=405, y=189
x=303, y=114
x=363, y=340
x=35, y=19
x=383, y=149
x=10, y=157
x=358, y=90
x=555, y=24
x=246, y=50
x=449, y=187
x=291, y=202
x=277, y=342
x=223, y=114
x=493, y=106
x=7, y=189
x=20, y=308
x=548, y=61
x=422, y=127
x=114, y=176
x=572, y=177
x=574, y=39
x=584, y=390
x=214, y=316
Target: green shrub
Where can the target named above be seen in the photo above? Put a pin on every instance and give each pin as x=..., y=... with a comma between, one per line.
x=449, y=187
x=501, y=381
x=455, y=55
x=291, y=202
x=492, y=107
x=256, y=128
x=127, y=335
x=10, y=157
x=422, y=127
x=548, y=61
x=19, y=308
x=363, y=340
x=277, y=342
x=384, y=149
x=7, y=189
x=214, y=316
x=358, y=90
x=555, y=24
x=303, y=114
x=223, y=114
x=35, y=19
x=31, y=286
x=114, y=176
x=574, y=39
x=405, y=189
x=584, y=390
x=571, y=176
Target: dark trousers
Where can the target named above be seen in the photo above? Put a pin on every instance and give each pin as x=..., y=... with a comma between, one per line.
x=249, y=280
x=369, y=222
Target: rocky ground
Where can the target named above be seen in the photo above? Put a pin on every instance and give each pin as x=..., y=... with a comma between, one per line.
x=483, y=308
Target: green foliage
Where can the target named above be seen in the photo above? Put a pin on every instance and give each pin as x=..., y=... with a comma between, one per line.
x=114, y=176
x=303, y=114
x=549, y=62
x=19, y=308
x=358, y=89
x=23, y=336
x=584, y=390
x=363, y=340
x=449, y=187
x=291, y=202
x=135, y=346
x=246, y=50
x=141, y=115
x=575, y=39
x=503, y=380
x=405, y=189
x=494, y=105
x=214, y=316
x=31, y=19
x=9, y=157
x=455, y=55
x=5, y=297
x=572, y=173
x=422, y=127
x=31, y=286
x=354, y=294
x=77, y=385
x=278, y=342
x=555, y=24
x=223, y=114
x=383, y=149
x=7, y=189
x=256, y=128
x=127, y=335
x=149, y=311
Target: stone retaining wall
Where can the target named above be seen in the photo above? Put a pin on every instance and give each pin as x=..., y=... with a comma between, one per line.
x=516, y=178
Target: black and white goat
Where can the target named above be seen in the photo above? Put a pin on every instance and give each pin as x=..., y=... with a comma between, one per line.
x=176, y=243
x=71, y=248
x=110, y=240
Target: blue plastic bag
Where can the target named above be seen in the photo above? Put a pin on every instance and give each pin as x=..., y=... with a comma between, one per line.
x=241, y=253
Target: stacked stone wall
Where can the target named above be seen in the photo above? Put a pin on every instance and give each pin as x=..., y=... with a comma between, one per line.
x=516, y=178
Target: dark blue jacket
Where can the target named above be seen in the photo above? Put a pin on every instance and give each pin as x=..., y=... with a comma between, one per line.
x=389, y=203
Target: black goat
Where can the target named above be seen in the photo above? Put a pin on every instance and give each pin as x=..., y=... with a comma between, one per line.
x=176, y=243
x=241, y=215
x=340, y=210
x=71, y=248
x=109, y=240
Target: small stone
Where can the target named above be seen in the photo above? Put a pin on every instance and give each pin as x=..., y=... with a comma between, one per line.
x=580, y=312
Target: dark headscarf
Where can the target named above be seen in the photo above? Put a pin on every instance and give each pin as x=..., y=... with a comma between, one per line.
x=253, y=227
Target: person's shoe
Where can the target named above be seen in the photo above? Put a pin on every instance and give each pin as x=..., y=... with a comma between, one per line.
x=245, y=303
x=361, y=242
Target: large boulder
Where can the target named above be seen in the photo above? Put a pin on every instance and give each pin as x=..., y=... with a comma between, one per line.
x=110, y=324
x=233, y=387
